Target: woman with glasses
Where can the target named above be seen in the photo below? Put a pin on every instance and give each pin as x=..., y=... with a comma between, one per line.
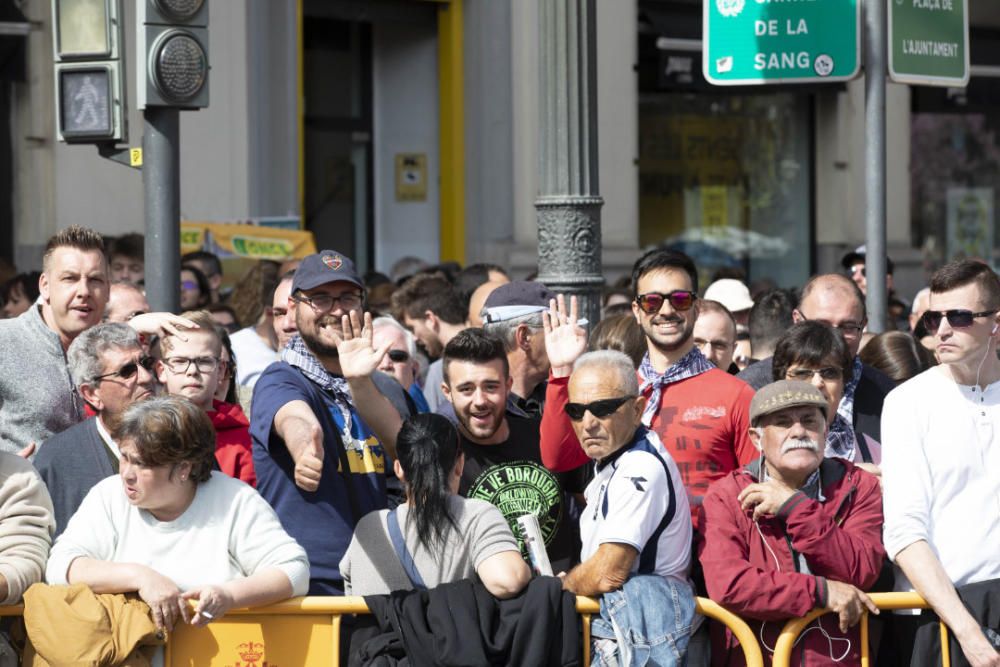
x=436, y=536
x=173, y=531
x=195, y=290
x=818, y=354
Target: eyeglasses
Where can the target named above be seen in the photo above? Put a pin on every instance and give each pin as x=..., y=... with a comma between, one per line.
x=858, y=268
x=323, y=303
x=651, y=302
x=849, y=329
x=957, y=319
x=129, y=370
x=182, y=364
x=599, y=409
x=807, y=374
x=189, y=285
x=398, y=356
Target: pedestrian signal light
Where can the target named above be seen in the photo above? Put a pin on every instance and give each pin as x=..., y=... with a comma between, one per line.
x=90, y=93
x=173, y=50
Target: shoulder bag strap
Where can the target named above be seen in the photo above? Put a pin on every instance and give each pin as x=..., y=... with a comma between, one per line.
x=396, y=535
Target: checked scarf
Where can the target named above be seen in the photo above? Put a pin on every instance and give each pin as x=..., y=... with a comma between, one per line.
x=298, y=355
x=691, y=364
x=840, y=439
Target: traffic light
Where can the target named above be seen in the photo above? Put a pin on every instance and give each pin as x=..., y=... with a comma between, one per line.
x=172, y=39
x=90, y=71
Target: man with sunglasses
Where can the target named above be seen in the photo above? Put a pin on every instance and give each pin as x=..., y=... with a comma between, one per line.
x=940, y=463
x=636, y=527
x=111, y=372
x=400, y=361
x=835, y=301
x=323, y=419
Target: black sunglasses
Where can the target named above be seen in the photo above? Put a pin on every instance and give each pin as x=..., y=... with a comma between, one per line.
x=399, y=356
x=651, y=302
x=128, y=370
x=599, y=409
x=957, y=319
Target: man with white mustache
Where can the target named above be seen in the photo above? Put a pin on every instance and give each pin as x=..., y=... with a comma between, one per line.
x=791, y=531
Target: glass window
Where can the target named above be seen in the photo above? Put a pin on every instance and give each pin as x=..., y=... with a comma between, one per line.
x=727, y=179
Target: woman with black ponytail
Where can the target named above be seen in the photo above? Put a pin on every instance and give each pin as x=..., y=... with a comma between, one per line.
x=436, y=536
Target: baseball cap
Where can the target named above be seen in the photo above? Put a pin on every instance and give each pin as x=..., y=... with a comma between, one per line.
x=731, y=293
x=784, y=394
x=516, y=299
x=326, y=266
x=857, y=256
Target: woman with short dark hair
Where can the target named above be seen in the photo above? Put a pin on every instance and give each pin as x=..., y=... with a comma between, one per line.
x=897, y=354
x=172, y=529
x=818, y=354
x=441, y=536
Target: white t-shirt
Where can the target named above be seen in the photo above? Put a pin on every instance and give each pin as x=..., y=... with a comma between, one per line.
x=941, y=474
x=638, y=499
x=227, y=532
x=252, y=354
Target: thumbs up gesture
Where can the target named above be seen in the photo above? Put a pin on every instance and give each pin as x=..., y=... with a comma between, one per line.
x=309, y=466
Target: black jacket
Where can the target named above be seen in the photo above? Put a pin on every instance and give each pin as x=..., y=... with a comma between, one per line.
x=868, y=397
x=461, y=623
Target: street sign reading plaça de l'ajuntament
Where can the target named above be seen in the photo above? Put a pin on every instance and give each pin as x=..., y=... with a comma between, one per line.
x=781, y=41
x=929, y=42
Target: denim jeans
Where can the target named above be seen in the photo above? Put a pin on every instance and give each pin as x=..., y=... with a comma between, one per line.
x=646, y=622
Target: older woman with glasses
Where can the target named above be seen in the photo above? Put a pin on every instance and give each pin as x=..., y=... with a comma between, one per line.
x=816, y=353
x=172, y=530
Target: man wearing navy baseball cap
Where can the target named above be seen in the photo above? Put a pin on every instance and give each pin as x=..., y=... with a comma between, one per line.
x=323, y=419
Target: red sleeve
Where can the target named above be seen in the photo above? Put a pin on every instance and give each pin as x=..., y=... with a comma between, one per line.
x=561, y=450
x=742, y=445
x=732, y=580
x=235, y=457
x=850, y=551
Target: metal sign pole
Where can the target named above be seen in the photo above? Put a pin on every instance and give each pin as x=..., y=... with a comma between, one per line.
x=161, y=185
x=875, y=149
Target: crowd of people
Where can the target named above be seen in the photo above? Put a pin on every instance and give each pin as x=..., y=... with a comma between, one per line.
x=460, y=435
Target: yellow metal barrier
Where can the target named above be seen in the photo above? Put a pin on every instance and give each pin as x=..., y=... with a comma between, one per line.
x=884, y=601
x=306, y=631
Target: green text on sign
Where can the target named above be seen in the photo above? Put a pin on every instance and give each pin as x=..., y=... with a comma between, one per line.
x=781, y=41
x=929, y=42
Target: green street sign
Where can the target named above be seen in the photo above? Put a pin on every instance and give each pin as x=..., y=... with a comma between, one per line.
x=781, y=41
x=929, y=42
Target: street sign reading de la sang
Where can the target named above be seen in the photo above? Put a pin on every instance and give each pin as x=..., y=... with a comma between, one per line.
x=929, y=42
x=781, y=41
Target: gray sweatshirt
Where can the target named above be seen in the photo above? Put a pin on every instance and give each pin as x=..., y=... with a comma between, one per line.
x=37, y=396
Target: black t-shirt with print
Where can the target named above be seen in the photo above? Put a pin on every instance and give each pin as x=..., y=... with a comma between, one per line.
x=510, y=475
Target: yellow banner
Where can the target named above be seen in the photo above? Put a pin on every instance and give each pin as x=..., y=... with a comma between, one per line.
x=247, y=241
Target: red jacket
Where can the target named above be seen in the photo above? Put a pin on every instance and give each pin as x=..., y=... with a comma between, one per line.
x=232, y=441
x=840, y=538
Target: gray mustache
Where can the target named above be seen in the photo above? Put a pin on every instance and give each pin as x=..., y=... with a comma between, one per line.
x=800, y=443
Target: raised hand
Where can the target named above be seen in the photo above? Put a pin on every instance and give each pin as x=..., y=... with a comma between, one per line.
x=358, y=356
x=161, y=324
x=565, y=340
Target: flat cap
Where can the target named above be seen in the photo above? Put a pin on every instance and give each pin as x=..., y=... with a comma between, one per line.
x=784, y=394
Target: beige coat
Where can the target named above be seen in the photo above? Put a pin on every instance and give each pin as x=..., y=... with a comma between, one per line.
x=26, y=526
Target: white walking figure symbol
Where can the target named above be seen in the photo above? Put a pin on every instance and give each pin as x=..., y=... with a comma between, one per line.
x=85, y=103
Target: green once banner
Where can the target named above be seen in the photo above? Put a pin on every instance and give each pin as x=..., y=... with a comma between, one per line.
x=781, y=41
x=929, y=42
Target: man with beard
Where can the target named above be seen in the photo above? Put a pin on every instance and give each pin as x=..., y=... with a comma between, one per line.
x=503, y=464
x=111, y=371
x=323, y=419
x=792, y=531
x=698, y=411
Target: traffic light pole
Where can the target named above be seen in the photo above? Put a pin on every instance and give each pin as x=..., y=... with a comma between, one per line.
x=161, y=185
x=875, y=165
x=569, y=204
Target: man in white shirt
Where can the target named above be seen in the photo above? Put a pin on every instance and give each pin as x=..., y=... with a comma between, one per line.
x=941, y=457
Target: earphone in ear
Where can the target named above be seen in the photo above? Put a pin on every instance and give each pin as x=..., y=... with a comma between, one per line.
x=995, y=327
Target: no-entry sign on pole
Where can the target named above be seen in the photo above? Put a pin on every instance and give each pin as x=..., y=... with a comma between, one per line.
x=929, y=42
x=781, y=41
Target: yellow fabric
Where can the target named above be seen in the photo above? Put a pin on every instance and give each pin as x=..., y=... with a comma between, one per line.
x=70, y=626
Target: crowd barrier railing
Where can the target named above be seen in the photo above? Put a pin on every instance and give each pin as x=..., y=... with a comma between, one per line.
x=305, y=631
x=884, y=601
